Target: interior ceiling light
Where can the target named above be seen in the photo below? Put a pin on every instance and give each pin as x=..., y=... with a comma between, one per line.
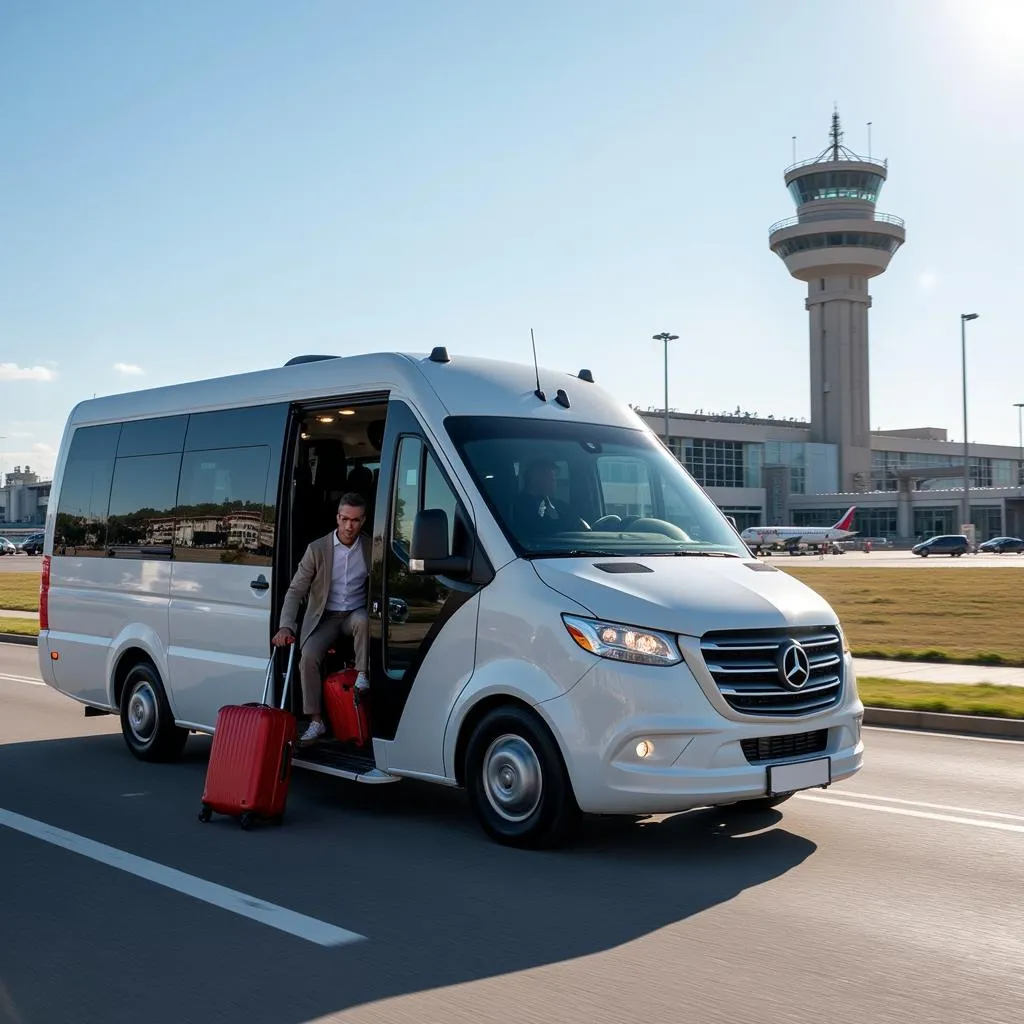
x=346, y=412
x=325, y=419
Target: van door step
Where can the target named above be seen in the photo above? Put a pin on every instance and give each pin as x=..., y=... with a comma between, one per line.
x=333, y=760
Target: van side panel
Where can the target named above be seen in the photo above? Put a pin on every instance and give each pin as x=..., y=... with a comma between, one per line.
x=523, y=652
x=101, y=598
x=219, y=629
x=444, y=672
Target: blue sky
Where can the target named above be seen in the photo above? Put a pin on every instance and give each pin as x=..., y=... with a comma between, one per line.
x=195, y=189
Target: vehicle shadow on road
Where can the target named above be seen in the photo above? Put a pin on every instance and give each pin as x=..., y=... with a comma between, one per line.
x=404, y=865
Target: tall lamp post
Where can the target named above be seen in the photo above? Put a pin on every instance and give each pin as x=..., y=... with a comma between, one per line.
x=964, y=317
x=1020, y=444
x=666, y=338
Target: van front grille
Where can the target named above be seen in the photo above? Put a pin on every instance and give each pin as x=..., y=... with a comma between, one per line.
x=777, y=672
x=776, y=748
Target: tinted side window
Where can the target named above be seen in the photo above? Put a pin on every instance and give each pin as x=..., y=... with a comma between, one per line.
x=141, y=522
x=237, y=428
x=221, y=515
x=414, y=601
x=81, y=524
x=152, y=437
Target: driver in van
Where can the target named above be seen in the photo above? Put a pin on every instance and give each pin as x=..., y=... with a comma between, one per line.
x=333, y=574
x=537, y=508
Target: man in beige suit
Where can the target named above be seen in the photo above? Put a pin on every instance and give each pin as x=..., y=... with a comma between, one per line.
x=333, y=573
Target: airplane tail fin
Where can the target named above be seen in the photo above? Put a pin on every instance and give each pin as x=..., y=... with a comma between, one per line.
x=847, y=521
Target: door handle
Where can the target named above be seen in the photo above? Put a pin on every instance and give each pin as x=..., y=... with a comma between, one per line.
x=260, y=583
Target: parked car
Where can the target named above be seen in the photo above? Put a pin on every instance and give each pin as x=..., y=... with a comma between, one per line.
x=6, y=547
x=1003, y=546
x=953, y=544
x=33, y=545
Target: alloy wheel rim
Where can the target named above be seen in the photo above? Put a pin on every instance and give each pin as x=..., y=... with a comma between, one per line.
x=513, y=778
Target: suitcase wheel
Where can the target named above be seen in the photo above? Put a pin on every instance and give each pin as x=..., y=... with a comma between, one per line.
x=247, y=819
x=205, y=814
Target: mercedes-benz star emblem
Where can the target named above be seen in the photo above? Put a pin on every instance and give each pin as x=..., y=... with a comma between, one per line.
x=794, y=667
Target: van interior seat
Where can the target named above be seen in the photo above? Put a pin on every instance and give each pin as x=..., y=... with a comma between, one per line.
x=362, y=482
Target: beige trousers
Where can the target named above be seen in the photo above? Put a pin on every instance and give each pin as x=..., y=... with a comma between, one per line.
x=331, y=626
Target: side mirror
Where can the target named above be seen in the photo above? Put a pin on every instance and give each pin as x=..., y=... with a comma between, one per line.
x=429, y=554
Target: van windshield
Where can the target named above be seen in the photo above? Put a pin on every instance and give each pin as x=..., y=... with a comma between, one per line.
x=562, y=489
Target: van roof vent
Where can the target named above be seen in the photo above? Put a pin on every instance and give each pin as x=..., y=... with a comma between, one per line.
x=439, y=354
x=586, y=375
x=295, y=360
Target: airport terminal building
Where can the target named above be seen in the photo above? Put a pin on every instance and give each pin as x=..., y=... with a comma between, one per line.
x=907, y=484
x=773, y=472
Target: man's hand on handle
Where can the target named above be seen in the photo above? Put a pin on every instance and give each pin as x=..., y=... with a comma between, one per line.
x=283, y=637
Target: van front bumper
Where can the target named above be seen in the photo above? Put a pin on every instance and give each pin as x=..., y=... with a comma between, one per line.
x=699, y=757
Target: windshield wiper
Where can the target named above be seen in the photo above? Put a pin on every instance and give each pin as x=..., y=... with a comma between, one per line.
x=705, y=554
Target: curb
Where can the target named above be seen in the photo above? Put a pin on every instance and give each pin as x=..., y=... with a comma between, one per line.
x=935, y=721
x=18, y=638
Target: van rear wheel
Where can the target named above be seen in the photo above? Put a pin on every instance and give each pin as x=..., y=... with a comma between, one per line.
x=517, y=782
x=147, y=723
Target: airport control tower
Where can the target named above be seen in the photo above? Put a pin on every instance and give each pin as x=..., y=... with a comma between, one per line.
x=835, y=243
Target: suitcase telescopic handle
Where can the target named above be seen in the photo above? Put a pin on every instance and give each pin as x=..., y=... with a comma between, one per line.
x=287, y=676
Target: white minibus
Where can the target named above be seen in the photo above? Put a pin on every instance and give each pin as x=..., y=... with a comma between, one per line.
x=561, y=620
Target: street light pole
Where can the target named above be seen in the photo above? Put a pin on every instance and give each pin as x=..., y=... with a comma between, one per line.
x=964, y=317
x=666, y=338
x=1020, y=444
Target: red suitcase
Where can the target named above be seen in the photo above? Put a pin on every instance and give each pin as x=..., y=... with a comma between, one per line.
x=346, y=708
x=249, y=772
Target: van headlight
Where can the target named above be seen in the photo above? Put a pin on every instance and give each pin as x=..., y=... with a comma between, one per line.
x=843, y=640
x=622, y=643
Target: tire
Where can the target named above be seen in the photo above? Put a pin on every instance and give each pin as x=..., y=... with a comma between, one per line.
x=146, y=720
x=517, y=781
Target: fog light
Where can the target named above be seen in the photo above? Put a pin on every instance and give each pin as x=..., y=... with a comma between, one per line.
x=644, y=748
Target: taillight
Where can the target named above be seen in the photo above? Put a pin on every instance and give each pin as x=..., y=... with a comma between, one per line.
x=44, y=593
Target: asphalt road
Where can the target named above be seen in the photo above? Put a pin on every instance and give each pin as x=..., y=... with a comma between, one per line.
x=893, y=898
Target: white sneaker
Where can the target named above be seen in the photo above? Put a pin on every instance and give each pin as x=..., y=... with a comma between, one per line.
x=313, y=732
x=362, y=683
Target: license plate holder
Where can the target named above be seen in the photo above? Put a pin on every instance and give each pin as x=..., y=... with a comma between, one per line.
x=797, y=775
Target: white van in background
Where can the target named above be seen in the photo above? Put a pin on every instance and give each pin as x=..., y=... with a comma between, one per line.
x=561, y=619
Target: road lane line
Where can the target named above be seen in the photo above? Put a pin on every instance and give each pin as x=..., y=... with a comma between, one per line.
x=1002, y=826
x=270, y=914
x=851, y=795
x=33, y=681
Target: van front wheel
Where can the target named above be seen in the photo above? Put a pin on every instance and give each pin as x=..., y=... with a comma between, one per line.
x=146, y=720
x=517, y=782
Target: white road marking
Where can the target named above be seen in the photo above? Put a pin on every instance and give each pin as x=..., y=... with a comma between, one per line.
x=31, y=680
x=850, y=794
x=1002, y=826
x=308, y=928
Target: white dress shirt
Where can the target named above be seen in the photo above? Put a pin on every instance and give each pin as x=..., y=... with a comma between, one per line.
x=348, y=578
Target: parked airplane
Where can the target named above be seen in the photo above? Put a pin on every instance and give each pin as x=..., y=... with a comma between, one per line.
x=757, y=537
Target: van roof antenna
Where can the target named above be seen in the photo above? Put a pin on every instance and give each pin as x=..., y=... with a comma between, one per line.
x=536, y=369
